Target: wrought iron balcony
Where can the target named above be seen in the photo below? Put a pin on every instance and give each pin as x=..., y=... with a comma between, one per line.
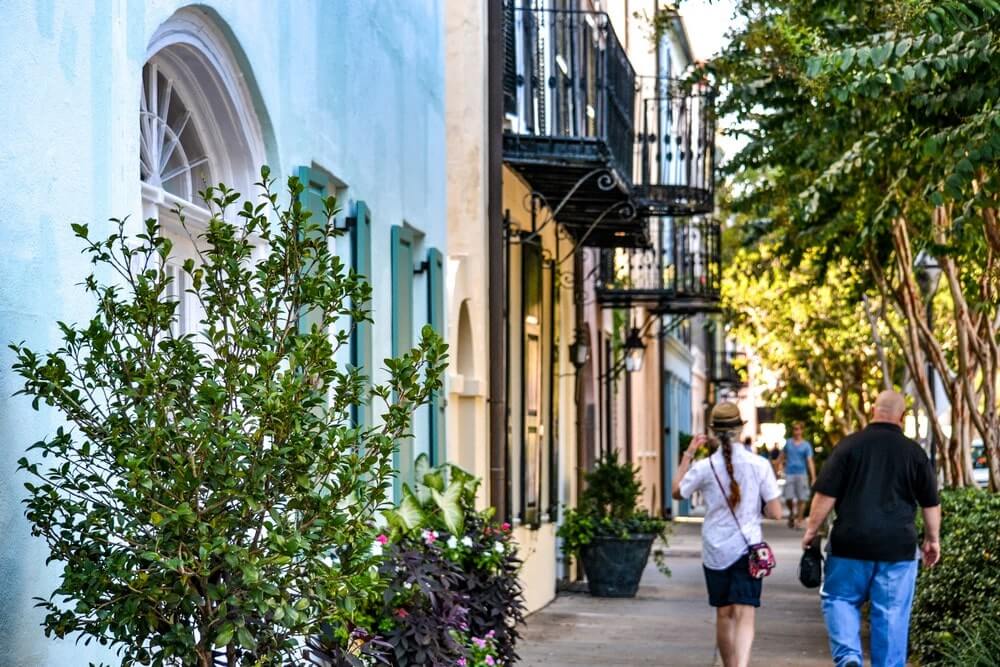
x=675, y=148
x=569, y=95
x=680, y=274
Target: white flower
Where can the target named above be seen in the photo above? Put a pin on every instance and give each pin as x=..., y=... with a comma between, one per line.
x=407, y=585
x=452, y=542
x=467, y=541
x=376, y=549
x=498, y=547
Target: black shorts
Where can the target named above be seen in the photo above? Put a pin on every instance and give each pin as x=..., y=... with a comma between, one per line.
x=734, y=585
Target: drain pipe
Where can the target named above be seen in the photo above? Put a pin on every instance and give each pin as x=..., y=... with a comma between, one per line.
x=496, y=252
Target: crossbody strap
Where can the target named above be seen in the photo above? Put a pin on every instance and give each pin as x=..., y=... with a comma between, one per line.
x=726, y=499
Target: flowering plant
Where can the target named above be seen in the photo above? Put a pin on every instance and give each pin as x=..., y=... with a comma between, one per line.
x=451, y=576
x=480, y=651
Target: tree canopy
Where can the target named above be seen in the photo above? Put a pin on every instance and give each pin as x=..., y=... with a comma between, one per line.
x=869, y=138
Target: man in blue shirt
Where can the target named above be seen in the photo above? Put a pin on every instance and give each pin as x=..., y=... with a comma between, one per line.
x=800, y=473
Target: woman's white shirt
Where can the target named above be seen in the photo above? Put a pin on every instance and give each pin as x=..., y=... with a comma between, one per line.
x=722, y=544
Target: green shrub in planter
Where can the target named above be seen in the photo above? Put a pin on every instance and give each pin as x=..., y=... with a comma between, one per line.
x=209, y=500
x=956, y=596
x=608, y=514
x=453, y=594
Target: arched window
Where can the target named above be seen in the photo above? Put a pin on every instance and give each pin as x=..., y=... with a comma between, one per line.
x=172, y=155
x=197, y=127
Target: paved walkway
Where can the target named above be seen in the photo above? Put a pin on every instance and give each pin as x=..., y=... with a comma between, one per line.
x=670, y=622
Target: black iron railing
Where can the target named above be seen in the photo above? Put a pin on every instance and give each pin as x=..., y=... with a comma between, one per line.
x=680, y=273
x=568, y=77
x=675, y=147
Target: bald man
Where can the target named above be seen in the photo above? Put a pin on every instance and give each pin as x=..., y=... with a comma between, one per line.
x=875, y=479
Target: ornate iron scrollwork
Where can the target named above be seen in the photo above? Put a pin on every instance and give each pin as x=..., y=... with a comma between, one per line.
x=626, y=212
x=605, y=180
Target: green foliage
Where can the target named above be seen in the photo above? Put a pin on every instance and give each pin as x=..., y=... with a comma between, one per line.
x=814, y=335
x=862, y=145
x=209, y=497
x=977, y=645
x=439, y=500
x=452, y=577
x=608, y=508
x=956, y=601
x=611, y=489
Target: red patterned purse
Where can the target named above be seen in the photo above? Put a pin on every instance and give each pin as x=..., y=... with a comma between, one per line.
x=760, y=555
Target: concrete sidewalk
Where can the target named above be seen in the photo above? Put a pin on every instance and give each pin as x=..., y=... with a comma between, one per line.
x=670, y=622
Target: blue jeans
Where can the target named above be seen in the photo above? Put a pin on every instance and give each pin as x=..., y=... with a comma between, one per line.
x=848, y=584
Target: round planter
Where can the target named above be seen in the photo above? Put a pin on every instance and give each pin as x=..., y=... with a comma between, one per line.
x=614, y=565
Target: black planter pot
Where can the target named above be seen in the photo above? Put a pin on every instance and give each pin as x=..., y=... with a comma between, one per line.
x=614, y=565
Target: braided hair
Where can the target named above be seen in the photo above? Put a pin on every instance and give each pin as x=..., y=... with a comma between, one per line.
x=726, y=442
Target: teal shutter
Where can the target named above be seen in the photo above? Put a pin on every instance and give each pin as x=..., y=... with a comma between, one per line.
x=361, y=341
x=402, y=333
x=317, y=189
x=435, y=311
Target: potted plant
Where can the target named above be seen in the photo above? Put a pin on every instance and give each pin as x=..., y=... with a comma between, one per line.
x=610, y=535
x=452, y=595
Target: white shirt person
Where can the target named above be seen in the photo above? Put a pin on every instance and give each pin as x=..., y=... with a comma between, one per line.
x=721, y=542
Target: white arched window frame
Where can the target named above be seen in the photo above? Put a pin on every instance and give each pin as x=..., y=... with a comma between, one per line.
x=197, y=127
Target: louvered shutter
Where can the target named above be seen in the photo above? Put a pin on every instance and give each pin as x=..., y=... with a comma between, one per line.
x=317, y=189
x=361, y=341
x=435, y=313
x=402, y=333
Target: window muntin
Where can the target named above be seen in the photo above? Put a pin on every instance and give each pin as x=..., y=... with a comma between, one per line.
x=172, y=155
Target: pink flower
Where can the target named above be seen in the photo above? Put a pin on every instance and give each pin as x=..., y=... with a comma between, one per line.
x=382, y=539
x=430, y=536
x=481, y=643
x=490, y=660
x=491, y=634
x=460, y=662
x=505, y=526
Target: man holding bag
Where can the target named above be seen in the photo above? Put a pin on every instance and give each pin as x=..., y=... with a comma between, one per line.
x=875, y=479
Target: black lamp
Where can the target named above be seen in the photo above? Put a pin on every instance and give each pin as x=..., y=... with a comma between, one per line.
x=635, y=349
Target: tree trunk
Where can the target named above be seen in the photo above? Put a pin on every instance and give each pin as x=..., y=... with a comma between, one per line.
x=879, y=347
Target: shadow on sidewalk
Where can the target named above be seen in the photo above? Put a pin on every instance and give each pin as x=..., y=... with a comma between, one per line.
x=670, y=623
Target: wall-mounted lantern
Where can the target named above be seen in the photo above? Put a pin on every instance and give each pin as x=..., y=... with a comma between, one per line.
x=635, y=350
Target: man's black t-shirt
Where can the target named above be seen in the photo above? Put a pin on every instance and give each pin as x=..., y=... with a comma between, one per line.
x=878, y=477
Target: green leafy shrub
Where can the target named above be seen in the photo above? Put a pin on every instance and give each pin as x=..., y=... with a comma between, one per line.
x=210, y=500
x=608, y=508
x=956, y=596
x=977, y=645
x=453, y=594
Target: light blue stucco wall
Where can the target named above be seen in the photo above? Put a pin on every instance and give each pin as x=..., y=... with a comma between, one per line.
x=353, y=86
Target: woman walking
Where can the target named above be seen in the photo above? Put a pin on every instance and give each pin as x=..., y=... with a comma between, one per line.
x=736, y=486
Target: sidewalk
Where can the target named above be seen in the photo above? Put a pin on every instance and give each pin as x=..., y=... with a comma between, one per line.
x=670, y=622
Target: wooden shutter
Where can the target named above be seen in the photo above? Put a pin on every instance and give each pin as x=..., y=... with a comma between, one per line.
x=361, y=340
x=509, y=61
x=402, y=333
x=435, y=314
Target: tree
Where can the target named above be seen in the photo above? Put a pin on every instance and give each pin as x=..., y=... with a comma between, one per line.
x=210, y=498
x=871, y=138
x=813, y=335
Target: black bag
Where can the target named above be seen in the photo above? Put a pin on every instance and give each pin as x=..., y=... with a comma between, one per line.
x=811, y=565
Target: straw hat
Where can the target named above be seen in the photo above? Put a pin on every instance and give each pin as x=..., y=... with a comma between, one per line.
x=726, y=415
